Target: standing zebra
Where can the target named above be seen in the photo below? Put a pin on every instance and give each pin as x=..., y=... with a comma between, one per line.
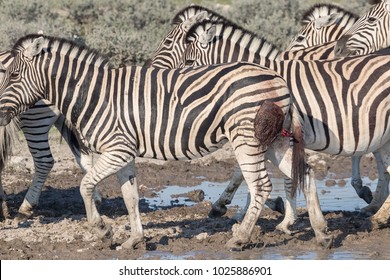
x=369, y=34
x=320, y=84
x=125, y=112
x=322, y=23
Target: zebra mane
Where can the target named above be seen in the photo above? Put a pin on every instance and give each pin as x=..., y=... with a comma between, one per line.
x=321, y=10
x=65, y=45
x=235, y=33
x=192, y=10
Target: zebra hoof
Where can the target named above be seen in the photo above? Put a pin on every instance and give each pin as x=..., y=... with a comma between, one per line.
x=279, y=205
x=133, y=242
x=22, y=217
x=217, y=212
x=366, y=194
x=103, y=232
x=326, y=242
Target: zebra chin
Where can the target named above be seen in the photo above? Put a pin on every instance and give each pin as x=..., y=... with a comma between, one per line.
x=5, y=118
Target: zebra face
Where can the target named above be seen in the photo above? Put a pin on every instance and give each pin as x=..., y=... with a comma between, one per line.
x=314, y=33
x=20, y=86
x=171, y=48
x=368, y=34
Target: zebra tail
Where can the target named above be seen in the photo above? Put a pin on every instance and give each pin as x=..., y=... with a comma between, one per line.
x=268, y=123
x=298, y=152
x=8, y=136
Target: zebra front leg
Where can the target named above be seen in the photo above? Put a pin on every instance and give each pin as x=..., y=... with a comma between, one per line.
x=43, y=164
x=363, y=192
x=127, y=179
x=317, y=219
x=382, y=188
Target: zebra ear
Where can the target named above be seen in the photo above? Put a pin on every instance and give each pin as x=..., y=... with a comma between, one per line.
x=187, y=24
x=388, y=5
x=2, y=72
x=34, y=48
x=326, y=21
x=206, y=37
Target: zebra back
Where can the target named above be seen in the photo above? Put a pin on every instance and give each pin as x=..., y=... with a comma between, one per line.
x=170, y=49
x=322, y=23
x=370, y=32
x=209, y=42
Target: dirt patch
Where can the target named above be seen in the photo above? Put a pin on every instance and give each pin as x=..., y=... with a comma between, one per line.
x=58, y=228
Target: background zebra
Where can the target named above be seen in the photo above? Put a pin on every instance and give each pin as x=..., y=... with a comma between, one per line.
x=126, y=112
x=370, y=33
x=328, y=134
x=322, y=23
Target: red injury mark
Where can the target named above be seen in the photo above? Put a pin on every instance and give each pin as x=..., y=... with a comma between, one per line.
x=286, y=133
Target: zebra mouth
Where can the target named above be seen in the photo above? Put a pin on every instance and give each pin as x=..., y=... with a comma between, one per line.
x=5, y=116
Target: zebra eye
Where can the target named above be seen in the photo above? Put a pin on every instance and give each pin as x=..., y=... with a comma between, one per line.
x=371, y=19
x=189, y=62
x=300, y=38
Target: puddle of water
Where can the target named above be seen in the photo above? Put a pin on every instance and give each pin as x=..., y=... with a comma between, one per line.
x=331, y=198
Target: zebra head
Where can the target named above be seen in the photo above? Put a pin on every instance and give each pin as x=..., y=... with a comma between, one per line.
x=370, y=32
x=211, y=42
x=171, y=48
x=19, y=81
x=322, y=23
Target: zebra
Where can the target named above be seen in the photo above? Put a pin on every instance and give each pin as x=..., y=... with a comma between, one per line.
x=369, y=33
x=321, y=86
x=122, y=113
x=174, y=43
x=35, y=125
x=322, y=23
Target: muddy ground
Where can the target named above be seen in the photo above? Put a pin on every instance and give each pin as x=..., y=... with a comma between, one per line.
x=58, y=228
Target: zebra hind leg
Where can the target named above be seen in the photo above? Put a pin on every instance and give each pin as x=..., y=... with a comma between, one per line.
x=363, y=192
x=83, y=158
x=382, y=188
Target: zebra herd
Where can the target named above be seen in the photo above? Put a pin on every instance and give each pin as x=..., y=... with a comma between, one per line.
x=208, y=83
